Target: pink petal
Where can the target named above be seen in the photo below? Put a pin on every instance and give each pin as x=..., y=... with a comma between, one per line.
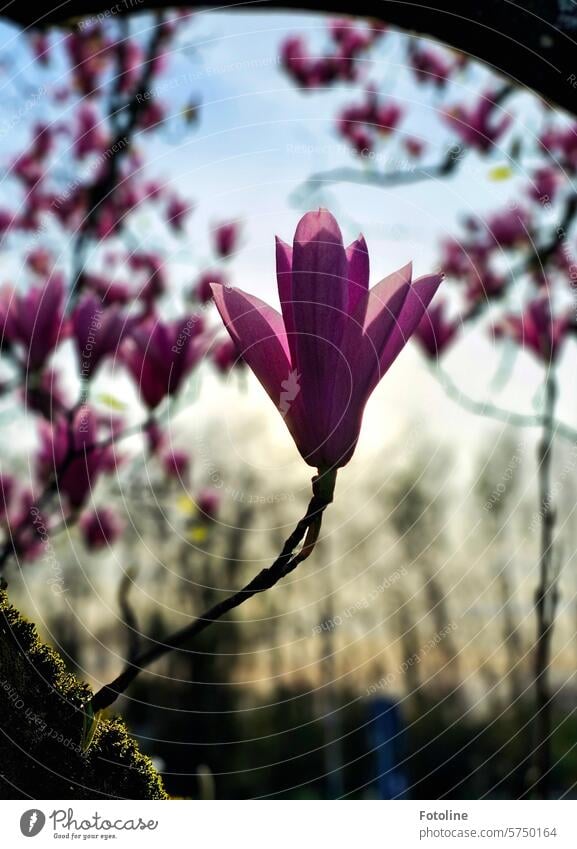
x=358, y=272
x=320, y=301
x=284, y=260
x=418, y=299
x=259, y=334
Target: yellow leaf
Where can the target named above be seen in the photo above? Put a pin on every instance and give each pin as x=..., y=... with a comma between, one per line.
x=111, y=402
x=500, y=172
x=186, y=505
x=197, y=534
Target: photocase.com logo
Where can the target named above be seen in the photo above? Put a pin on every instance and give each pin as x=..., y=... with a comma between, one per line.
x=290, y=389
x=32, y=822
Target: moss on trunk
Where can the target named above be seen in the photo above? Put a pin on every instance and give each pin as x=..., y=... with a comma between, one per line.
x=41, y=729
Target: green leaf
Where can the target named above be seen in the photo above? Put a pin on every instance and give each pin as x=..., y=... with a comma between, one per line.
x=89, y=726
x=110, y=401
x=500, y=173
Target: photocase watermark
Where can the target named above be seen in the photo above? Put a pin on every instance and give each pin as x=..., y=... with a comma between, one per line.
x=86, y=355
x=501, y=487
x=412, y=660
x=290, y=392
x=66, y=820
x=56, y=579
x=32, y=822
x=241, y=496
x=36, y=720
x=160, y=89
x=118, y=9
x=361, y=604
x=185, y=333
x=66, y=193
x=8, y=125
x=555, y=489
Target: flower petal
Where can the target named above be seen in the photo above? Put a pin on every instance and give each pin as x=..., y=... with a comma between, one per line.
x=259, y=334
x=418, y=299
x=320, y=300
x=284, y=261
x=358, y=272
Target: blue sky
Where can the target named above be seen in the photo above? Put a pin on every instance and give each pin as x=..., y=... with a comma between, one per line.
x=258, y=137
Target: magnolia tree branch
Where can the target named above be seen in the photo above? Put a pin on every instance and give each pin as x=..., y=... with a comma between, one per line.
x=492, y=411
x=308, y=529
x=446, y=166
x=378, y=179
x=109, y=182
x=545, y=604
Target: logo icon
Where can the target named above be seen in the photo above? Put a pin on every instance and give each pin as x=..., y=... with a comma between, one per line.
x=32, y=822
x=291, y=389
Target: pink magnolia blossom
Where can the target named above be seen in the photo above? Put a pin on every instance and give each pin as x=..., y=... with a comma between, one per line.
x=90, y=134
x=202, y=291
x=176, y=463
x=225, y=356
x=35, y=320
x=176, y=213
x=208, y=503
x=160, y=355
x=544, y=184
x=510, y=228
x=97, y=332
x=536, y=329
x=68, y=455
x=435, y=332
x=155, y=283
x=44, y=394
x=226, y=238
x=321, y=359
x=478, y=125
x=27, y=526
x=414, y=146
x=109, y=293
x=430, y=66
x=561, y=142
x=40, y=261
x=100, y=528
x=40, y=43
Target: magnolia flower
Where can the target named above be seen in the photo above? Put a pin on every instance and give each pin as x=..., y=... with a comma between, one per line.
x=201, y=290
x=208, y=503
x=36, y=321
x=536, y=329
x=225, y=356
x=477, y=125
x=321, y=359
x=226, y=238
x=97, y=332
x=176, y=463
x=160, y=355
x=435, y=332
x=69, y=454
x=430, y=66
x=100, y=528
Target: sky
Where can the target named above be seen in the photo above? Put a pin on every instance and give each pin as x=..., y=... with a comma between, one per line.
x=258, y=137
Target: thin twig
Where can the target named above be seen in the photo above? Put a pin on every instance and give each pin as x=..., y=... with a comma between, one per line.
x=308, y=527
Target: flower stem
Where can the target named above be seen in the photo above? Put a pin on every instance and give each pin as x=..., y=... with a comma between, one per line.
x=308, y=528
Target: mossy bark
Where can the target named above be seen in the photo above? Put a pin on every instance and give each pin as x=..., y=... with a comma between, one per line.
x=41, y=729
